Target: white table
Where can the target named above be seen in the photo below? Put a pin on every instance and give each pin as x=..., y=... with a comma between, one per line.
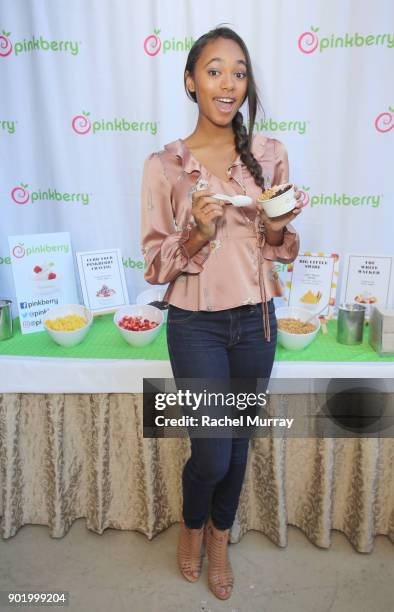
x=65, y=375
x=71, y=445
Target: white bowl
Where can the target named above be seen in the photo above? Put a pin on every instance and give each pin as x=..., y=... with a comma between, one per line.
x=296, y=342
x=279, y=205
x=69, y=338
x=139, y=338
x=154, y=294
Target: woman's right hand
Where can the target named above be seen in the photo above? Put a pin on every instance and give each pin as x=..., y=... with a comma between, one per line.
x=206, y=211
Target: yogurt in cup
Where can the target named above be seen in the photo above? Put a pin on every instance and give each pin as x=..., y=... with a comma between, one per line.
x=278, y=200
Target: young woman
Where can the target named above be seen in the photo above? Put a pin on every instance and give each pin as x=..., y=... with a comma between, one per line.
x=218, y=261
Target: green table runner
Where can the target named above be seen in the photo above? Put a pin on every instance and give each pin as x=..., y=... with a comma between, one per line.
x=105, y=342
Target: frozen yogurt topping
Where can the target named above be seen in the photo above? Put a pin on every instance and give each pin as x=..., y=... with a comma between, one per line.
x=273, y=192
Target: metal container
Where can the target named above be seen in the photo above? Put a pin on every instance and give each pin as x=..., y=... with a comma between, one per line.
x=381, y=330
x=5, y=319
x=350, y=323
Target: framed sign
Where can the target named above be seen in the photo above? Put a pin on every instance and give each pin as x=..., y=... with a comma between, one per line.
x=312, y=282
x=102, y=279
x=368, y=280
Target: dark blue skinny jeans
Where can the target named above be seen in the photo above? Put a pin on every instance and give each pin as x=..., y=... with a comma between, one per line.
x=221, y=344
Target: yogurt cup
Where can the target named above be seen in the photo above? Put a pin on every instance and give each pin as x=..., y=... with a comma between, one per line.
x=278, y=205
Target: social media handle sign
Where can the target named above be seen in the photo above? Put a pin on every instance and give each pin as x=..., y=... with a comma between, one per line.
x=43, y=270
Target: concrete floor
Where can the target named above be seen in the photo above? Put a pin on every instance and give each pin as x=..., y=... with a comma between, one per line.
x=122, y=570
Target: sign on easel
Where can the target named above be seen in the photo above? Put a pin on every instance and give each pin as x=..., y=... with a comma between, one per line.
x=312, y=282
x=368, y=280
x=102, y=280
x=43, y=270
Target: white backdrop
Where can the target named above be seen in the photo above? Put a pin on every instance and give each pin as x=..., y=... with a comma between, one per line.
x=89, y=89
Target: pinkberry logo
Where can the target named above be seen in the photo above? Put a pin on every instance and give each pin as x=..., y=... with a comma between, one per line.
x=305, y=197
x=19, y=251
x=385, y=121
x=35, y=43
x=5, y=44
x=309, y=42
x=81, y=124
x=152, y=43
x=20, y=195
x=334, y=199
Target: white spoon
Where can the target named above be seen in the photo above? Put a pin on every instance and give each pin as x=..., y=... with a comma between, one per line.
x=237, y=200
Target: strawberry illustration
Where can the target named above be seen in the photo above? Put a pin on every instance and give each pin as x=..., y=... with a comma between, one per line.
x=37, y=269
x=51, y=275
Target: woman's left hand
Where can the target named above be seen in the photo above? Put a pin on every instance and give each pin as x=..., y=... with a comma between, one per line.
x=278, y=223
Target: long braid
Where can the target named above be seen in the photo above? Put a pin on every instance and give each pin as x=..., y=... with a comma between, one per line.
x=243, y=138
x=242, y=146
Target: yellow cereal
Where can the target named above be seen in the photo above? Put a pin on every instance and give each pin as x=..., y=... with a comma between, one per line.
x=295, y=326
x=267, y=194
x=68, y=323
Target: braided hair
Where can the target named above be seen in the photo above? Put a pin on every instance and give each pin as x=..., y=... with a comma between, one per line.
x=242, y=136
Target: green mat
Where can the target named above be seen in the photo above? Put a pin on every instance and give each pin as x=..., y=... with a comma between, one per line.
x=105, y=342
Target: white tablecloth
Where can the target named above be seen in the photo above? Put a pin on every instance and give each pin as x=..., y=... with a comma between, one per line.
x=61, y=375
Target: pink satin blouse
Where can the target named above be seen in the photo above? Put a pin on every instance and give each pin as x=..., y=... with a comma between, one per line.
x=236, y=266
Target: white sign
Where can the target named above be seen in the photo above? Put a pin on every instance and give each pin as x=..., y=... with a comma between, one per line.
x=368, y=280
x=43, y=270
x=102, y=280
x=313, y=282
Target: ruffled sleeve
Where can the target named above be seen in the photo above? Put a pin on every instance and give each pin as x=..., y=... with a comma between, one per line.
x=289, y=249
x=161, y=243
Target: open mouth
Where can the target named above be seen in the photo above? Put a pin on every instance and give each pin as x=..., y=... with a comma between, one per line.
x=225, y=104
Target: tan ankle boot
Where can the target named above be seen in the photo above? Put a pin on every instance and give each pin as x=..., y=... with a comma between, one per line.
x=191, y=550
x=220, y=574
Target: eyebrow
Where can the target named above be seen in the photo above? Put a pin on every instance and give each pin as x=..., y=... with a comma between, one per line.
x=219, y=59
